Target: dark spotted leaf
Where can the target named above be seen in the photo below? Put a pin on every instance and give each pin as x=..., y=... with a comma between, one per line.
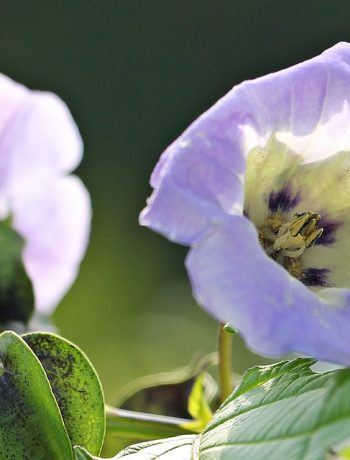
x=76, y=387
x=31, y=425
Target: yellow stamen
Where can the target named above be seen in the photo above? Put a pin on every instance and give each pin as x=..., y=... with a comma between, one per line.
x=294, y=237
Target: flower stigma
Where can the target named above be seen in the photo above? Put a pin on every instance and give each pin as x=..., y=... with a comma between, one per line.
x=294, y=237
x=291, y=238
x=286, y=242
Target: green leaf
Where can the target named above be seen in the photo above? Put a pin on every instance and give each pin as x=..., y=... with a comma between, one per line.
x=177, y=448
x=76, y=387
x=259, y=375
x=31, y=425
x=198, y=406
x=283, y=411
x=139, y=425
x=129, y=427
x=16, y=291
x=160, y=394
x=167, y=393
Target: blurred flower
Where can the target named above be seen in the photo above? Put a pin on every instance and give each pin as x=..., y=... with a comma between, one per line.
x=39, y=145
x=259, y=187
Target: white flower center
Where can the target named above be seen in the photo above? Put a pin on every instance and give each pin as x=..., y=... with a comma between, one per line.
x=285, y=198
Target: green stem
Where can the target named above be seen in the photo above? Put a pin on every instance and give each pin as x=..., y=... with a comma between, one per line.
x=142, y=426
x=225, y=363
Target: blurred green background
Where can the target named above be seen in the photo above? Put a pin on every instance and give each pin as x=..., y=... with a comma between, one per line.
x=135, y=74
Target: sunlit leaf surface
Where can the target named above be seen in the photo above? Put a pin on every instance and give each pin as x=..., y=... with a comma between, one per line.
x=283, y=411
x=177, y=448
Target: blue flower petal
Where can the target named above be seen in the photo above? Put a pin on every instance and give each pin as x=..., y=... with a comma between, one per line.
x=199, y=200
x=236, y=282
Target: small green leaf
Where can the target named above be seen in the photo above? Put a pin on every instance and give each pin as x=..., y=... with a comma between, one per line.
x=31, y=425
x=76, y=387
x=16, y=291
x=198, y=406
x=283, y=411
x=229, y=329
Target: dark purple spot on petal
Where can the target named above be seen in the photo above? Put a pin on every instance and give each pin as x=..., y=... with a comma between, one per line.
x=283, y=200
x=315, y=277
x=330, y=228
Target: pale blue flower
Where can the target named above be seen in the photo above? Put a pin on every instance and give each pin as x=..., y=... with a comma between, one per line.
x=39, y=146
x=259, y=187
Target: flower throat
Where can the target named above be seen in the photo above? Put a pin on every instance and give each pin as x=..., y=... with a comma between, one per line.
x=296, y=236
x=285, y=242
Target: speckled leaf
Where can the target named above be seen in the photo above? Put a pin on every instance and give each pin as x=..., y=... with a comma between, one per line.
x=283, y=411
x=76, y=387
x=16, y=292
x=31, y=425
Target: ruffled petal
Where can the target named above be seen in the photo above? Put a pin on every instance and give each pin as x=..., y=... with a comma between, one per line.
x=197, y=182
x=236, y=282
x=305, y=107
x=53, y=216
